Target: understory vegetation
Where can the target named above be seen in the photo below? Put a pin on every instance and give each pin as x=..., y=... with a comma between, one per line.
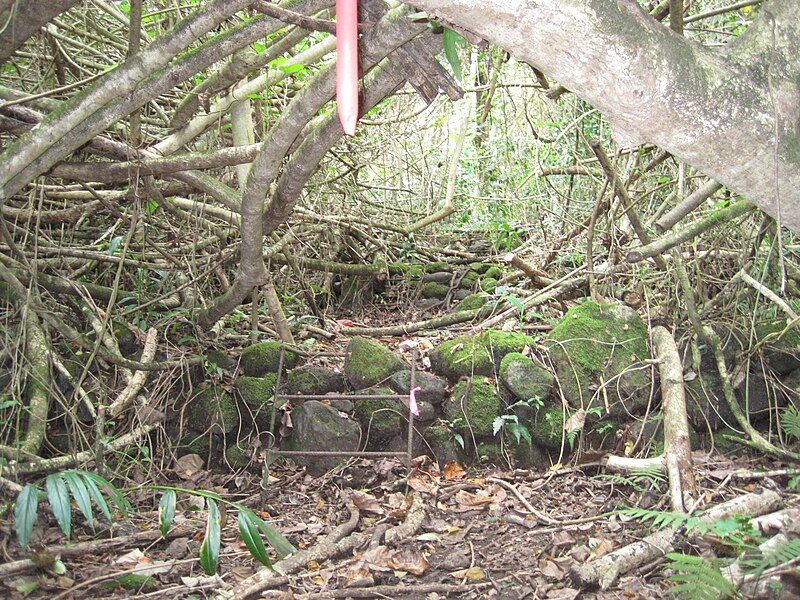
x=542, y=341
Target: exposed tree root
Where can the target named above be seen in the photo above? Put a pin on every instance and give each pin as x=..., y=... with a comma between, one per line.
x=604, y=571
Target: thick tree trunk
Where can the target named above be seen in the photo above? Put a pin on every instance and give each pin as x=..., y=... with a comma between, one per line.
x=730, y=113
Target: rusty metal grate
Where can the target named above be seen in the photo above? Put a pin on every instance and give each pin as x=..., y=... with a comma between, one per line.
x=407, y=455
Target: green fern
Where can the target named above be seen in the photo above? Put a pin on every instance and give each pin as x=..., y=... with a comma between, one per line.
x=698, y=578
x=781, y=553
x=641, y=480
x=790, y=421
x=663, y=519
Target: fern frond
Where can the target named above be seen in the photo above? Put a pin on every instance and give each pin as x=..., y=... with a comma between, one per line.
x=664, y=519
x=698, y=579
x=790, y=421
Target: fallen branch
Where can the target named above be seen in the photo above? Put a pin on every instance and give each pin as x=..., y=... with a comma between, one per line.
x=604, y=571
x=395, y=591
x=100, y=545
x=410, y=525
x=677, y=448
x=65, y=462
x=137, y=380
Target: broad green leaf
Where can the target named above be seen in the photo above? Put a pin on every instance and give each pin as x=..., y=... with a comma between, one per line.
x=166, y=511
x=209, y=550
x=81, y=494
x=252, y=538
x=97, y=496
x=25, y=513
x=451, y=51
x=282, y=546
x=111, y=491
x=58, y=496
x=114, y=245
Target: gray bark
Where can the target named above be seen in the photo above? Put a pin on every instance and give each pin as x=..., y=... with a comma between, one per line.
x=730, y=113
x=20, y=19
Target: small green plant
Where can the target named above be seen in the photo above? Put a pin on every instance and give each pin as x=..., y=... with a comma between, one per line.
x=790, y=421
x=510, y=424
x=699, y=578
x=640, y=480
x=86, y=488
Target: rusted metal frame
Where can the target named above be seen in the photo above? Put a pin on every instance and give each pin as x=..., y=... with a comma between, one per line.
x=408, y=454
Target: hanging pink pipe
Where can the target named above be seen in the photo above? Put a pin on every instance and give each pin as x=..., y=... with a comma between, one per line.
x=347, y=64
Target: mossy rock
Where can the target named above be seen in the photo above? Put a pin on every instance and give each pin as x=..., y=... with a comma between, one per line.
x=212, y=409
x=475, y=411
x=493, y=272
x=439, y=265
x=491, y=453
x=357, y=291
x=469, y=280
x=432, y=289
x=479, y=267
x=415, y=272
x=200, y=445
x=368, y=363
x=472, y=302
x=708, y=408
x=442, y=443
x=313, y=381
x=432, y=388
x=782, y=354
x=596, y=344
x=524, y=379
x=220, y=358
x=528, y=456
x=319, y=427
x=476, y=355
x=258, y=394
x=548, y=429
x=262, y=358
x=381, y=417
x=488, y=284
x=236, y=456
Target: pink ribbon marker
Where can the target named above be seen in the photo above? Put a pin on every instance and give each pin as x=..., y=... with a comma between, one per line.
x=347, y=64
x=413, y=401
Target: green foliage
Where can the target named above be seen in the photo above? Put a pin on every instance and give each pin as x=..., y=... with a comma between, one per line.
x=698, y=578
x=640, y=480
x=757, y=561
x=452, y=41
x=209, y=549
x=790, y=421
x=82, y=486
x=511, y=425
x=166, y=511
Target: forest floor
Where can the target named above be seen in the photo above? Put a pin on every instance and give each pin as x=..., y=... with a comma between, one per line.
x=473, y=535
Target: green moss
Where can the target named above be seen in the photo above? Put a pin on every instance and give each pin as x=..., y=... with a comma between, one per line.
x=236, y=456
x=212, y=408
x=200, y=445
x=474, y=411
x=368, y=363
x=472, y=302
x=548, y=429
x=525, y=379
x=594, y=343
x=257, y=393
x=415, y=272
x=469, y=280
x=433, y=289
x=436, y=267
x=476, y=355
x=134, y=581
x=479, y=267
x=493, y=272
x=220, y=358
x=264, y=357
x=490, y=453
x=488, y=284
x=380, y=416
x=313, y=381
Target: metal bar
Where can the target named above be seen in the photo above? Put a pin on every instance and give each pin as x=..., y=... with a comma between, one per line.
x=410, y=440
x=336, y=453
x=341, y=397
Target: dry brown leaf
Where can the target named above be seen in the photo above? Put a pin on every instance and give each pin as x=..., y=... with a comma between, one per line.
x=603, y=547
x=409, y=560
x=471, y=574
x=189, y=464
x=378, y=558
x=453, y=470
x=366, y=502
x=576, y=421
x=422, y=481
